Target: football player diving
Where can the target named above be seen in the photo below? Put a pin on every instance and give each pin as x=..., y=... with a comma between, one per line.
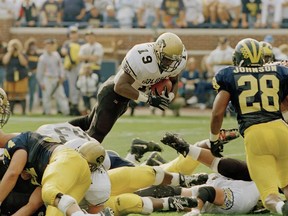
x=143, y=66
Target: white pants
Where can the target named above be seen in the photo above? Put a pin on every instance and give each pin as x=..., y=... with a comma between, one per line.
x=59, y=95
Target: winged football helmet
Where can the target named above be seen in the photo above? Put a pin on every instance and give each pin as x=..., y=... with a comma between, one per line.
x=168, y=51
x=267, y=50
x=248, y=53
x=4, y=108
x=93, y=152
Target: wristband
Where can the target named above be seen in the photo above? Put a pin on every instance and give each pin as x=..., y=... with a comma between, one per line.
x=214, y=137
x=142, y=97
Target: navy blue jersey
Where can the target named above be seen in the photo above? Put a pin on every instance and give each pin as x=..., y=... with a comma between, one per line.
x=256, y=92
x=39, y=149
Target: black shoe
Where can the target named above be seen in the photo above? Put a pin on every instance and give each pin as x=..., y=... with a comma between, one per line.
x=155, y=159
x=178, y=203
x=176, y=142
x=195, y=179
x=285, y=209
x=140, y=147
x=160, y=191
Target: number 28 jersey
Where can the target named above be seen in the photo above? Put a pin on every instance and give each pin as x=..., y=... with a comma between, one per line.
x=141, y=64
x=256, y=92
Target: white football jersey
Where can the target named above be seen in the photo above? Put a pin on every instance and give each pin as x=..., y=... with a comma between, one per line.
x=240, y=196
x=99, y=190
x=141, y=63
x=64, y=132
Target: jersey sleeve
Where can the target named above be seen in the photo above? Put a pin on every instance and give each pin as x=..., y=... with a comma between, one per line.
x=220, y=80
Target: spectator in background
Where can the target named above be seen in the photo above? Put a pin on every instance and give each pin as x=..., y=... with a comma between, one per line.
x=220, y=57
x=190, y=78
x=210, y=11
x=94, y=18
x=28, y=14
x=6, y=8
x=73, y=11
x=194, y=15
x=32, y=52
x=3, y=50
x=271, y=14
x=50, y=14
x=110, y=20
x=70, y=51
x=126, y=13
x=173, y=14
x=16, y=83
x=92, y=52
x=251, y=13
x=229, y=12
x=87, y=83
x=284, y=49
x=50, y=75
x=148, y=13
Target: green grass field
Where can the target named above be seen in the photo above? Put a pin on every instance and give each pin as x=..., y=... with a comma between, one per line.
x=192, y=128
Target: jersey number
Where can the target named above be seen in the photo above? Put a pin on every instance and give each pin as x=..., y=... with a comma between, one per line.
x=267, y=86
x=66, y=132
x=146, y=59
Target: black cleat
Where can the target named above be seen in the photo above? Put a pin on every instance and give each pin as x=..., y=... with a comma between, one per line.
x=195, y=179
x=176, y=142
x=178, y=203
x=160, y=191
x=155, y=159
x=140, y=147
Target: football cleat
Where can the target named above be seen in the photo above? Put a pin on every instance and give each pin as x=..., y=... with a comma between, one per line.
x=227, y=135
x=140, y=147
x=155, y=159
x=176, y=142
x=285, y=209
x=178, y=203
x=160, y=191
x=192, y=180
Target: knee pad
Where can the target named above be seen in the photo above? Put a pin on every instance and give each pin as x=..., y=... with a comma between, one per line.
x=65, y=202
x=159, y=175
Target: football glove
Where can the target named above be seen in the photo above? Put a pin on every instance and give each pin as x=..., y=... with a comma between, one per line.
x=168, y=95
x=158, y=101
x=217, y=147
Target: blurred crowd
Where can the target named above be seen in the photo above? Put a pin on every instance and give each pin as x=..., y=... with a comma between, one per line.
x=148, y=13
x=67, y=73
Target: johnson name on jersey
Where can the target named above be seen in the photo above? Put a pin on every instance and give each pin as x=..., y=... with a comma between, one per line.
x=254, y=91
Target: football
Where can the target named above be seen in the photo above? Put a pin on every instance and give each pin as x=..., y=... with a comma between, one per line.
x=161, y=85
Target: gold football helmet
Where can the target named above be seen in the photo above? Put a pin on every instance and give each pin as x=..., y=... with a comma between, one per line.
x=267, y=50
x=168, y=51
x=93, y=152
x=4, y=108
x=248, y=53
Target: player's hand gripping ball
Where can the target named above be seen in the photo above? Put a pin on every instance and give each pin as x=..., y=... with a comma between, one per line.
x=161, y=85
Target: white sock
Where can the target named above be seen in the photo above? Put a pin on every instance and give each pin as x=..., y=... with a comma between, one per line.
x=131, y=157
x=279, y=206
x=194, y=152
x=175, y=179
x=165, y=204
x=214, y=164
